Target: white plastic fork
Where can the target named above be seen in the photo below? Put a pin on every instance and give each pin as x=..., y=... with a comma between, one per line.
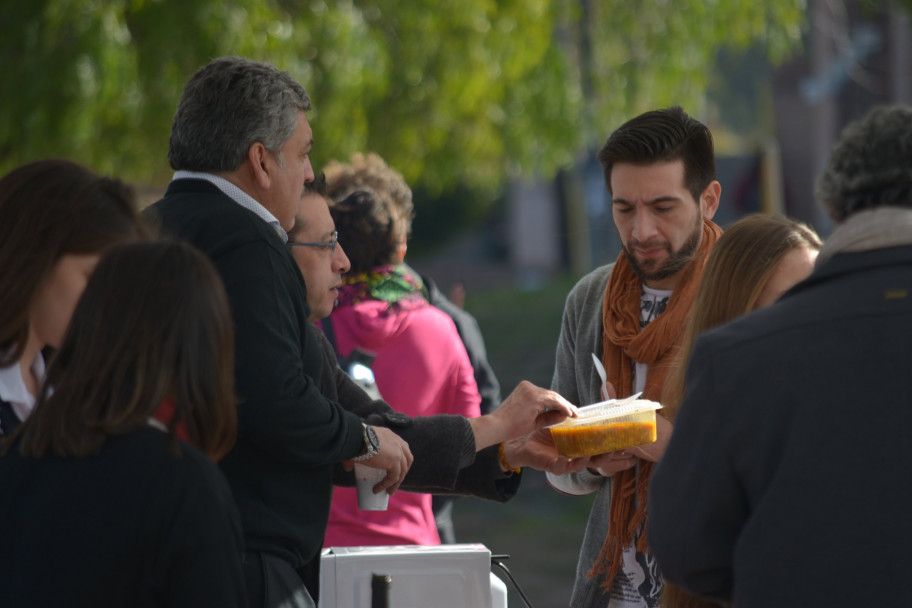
x=604, y=376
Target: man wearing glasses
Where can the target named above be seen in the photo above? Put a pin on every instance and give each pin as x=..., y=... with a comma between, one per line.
x=329, y=245
x=322, y=260
x=322, y=270
x=453, y=455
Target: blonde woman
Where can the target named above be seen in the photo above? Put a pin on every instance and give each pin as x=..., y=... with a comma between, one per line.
x=757, y=259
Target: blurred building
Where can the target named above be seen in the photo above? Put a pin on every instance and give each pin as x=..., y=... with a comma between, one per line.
x=855, y=56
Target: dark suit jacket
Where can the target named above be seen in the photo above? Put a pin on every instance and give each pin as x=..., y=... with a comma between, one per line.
x=289, y=434
x=786, y=482
x=443, y=445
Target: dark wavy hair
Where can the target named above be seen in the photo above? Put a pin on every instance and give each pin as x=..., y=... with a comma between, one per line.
x=153, y=323
x=369, y=229
x=317, y=187
x=370, y=172
x=227, y=106
x=663, y=136
x=871, y=164
x=48, y=209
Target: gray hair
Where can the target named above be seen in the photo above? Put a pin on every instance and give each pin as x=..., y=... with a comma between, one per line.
x=227, y=106
x=871, y=164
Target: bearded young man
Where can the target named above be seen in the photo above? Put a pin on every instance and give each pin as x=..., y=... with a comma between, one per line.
x=660, y=171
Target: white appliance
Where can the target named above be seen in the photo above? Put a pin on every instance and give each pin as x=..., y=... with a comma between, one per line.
x=442, y=576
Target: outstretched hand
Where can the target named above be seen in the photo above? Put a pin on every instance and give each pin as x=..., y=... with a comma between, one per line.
x=526, y=409
x=531, y=407
x=537, y=450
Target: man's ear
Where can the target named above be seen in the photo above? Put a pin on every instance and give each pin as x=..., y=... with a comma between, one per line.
x=709, y=200
x=259, y=159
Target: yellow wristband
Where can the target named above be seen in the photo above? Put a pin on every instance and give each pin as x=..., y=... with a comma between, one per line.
x=503, y=460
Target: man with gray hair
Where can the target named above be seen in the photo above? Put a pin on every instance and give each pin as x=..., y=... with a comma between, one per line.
x=784, y=483
x=240, y=145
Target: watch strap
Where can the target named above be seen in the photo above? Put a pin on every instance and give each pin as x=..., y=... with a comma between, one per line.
x=371, y=444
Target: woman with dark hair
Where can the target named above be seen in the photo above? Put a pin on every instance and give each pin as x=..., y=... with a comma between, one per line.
x=102, y=503
x=421, y=365
x=56, y=219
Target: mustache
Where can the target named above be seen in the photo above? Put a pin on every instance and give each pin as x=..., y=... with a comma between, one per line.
x=650, y=244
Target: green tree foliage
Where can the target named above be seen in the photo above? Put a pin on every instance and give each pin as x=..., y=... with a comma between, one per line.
x=448, y=91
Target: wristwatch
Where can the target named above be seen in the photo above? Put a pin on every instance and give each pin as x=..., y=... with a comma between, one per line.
x=371, y=444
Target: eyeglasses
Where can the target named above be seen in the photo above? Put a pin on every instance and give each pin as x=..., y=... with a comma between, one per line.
x=331, y=245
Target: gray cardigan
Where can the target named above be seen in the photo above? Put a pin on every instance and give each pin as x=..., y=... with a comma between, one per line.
x=581, y=335
x=576, y=379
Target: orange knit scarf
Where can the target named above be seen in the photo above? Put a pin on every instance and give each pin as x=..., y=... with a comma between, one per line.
x=656, y=345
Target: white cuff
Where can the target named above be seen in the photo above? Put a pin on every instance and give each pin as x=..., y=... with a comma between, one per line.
x=575, y=484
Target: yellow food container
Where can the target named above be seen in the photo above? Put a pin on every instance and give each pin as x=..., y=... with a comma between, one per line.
x=605, y=427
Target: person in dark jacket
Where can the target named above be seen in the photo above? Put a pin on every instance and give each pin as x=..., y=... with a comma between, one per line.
x=785, y=469
x=240, y=144
x=454, y=456
x=322, y=268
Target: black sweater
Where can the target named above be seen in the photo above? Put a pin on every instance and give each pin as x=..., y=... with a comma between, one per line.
x=132, y=525
x=289, y=434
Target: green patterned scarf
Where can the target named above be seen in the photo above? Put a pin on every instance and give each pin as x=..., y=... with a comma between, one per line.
x=396, y=285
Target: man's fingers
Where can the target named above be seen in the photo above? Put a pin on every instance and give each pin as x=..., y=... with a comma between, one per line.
x=548, y=418
x=390, y=483
x=563, y=407
x=395, y=475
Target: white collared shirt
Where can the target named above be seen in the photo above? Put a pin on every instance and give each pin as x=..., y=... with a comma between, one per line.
x=13, y=390
x=237, y=195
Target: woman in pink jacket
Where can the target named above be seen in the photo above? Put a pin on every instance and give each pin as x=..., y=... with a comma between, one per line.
x=421, y=366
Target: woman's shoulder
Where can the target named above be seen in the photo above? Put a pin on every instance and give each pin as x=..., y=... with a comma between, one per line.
x=157, y=449
x=432, y=320
x=176, y=471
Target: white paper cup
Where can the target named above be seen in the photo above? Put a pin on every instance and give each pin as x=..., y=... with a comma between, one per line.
x=365, y=479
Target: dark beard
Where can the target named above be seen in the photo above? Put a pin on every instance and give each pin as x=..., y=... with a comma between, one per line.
x=676, y=261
